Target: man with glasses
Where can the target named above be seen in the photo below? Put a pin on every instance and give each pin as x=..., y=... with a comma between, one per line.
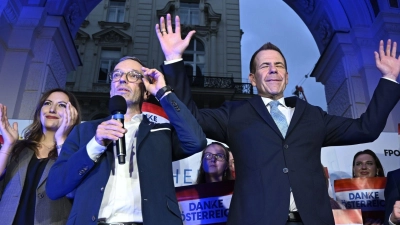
x=141, y=190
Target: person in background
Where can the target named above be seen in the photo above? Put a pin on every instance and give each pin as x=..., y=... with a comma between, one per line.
x=214, y=165
x=24, y=164
x=141, y=191
x=367, y=164
x=279, y=178
x=392, y=198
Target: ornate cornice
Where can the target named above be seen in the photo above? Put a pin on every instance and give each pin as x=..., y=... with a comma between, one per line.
x=112, y=36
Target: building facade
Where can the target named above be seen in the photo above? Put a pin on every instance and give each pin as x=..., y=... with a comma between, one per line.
x=117, y=28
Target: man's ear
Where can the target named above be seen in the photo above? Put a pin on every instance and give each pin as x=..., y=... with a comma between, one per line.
x=252, y=79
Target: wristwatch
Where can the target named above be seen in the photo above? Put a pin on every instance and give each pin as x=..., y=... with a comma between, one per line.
x=162, y=91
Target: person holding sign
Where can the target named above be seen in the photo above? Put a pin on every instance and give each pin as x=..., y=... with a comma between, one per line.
x=277, y=141
x=367, y=164
x=214, y=165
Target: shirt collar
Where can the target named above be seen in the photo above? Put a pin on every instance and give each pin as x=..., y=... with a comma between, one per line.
x=268, y=100
x=137, y=118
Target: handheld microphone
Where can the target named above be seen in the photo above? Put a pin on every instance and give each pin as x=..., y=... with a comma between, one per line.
x=117, y=107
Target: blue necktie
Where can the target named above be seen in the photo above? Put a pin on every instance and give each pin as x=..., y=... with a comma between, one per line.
x=278, y=117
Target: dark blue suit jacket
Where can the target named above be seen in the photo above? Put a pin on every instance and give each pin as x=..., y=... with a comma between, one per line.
x=267, y=164
x=392, y=192
x=157, y=146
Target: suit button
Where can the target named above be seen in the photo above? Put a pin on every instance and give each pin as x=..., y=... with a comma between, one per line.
x=102, y=189
x=285, y=170
x=93, y=218
x=40, y=195
x=82, y=172
x=286, y=146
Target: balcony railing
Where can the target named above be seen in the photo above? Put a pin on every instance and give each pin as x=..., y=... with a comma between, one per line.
x=197, y=81
x=221, y=82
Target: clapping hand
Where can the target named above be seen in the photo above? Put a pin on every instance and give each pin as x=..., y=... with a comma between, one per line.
x=9, y=133
x=67, y=123
x=171, y=42
x=386, y=60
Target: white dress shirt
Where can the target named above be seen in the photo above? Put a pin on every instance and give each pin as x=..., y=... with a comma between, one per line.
x=121, y=200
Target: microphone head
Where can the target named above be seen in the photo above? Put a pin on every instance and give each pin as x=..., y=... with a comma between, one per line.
x=117, y=104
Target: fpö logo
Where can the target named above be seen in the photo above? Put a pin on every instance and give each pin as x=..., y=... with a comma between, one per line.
x=389, y=152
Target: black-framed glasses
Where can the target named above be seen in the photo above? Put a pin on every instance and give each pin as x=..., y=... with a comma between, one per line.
x=131, y=76
x=218, y=157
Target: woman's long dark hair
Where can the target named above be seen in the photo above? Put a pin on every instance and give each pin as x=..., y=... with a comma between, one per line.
x=201, y=176
x=33, y=133
x=379, y=167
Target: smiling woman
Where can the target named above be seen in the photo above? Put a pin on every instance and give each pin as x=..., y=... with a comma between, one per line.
x=30, y=159
x=367, y=164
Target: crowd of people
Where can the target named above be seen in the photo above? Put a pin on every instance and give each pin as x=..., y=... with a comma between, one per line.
x=67, y=172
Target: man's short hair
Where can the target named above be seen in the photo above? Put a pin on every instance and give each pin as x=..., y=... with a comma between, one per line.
x=132, y=58
x=267, y=46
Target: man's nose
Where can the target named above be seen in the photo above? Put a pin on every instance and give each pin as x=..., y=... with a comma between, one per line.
x=124, y=78
x=272, y=69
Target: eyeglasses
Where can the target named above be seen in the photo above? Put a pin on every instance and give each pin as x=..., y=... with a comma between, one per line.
x=131, y=76
x=218, y=157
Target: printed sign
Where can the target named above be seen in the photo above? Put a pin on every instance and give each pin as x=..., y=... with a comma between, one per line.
x=366, y=194
x=205, y=203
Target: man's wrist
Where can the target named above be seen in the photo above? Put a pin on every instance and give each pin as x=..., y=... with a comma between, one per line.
x=390, y=220
x=163, y=91
x=170, y=61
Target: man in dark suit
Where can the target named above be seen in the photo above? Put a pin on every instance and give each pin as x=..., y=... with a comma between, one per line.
x=392, y=198
x=278, y=166
x=141, y=190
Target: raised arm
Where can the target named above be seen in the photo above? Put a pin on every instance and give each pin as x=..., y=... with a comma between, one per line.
x=189, y=138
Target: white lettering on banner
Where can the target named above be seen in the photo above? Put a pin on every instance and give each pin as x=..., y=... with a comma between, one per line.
x=155, y=118
x=366, y=199
x=205, y=210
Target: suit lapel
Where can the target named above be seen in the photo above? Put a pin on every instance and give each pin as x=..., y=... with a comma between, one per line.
x=144, y=129
x=23, y=161
x=45, y=173
x=299, y=106
x=261, y=109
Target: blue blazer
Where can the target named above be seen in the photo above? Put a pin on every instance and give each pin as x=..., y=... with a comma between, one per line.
x=392, y=192
x=267, y=164
x=157, y=146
